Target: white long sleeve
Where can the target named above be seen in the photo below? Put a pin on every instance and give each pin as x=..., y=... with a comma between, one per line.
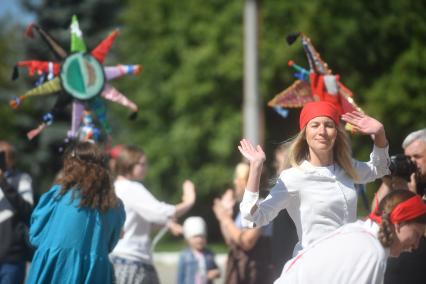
x=376, y=167
x=142, y=210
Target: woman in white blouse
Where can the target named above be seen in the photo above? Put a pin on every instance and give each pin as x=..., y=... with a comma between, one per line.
x=356, y=253
x=318, y=190
x=132, y=257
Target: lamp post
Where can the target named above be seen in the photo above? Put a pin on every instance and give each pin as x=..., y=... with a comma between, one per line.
x=252, y=117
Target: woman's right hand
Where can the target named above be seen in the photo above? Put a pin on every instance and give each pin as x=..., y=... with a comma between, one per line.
x=251, y=153
x=189, y=194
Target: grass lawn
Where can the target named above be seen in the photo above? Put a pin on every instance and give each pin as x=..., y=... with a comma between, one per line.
x=170, y=245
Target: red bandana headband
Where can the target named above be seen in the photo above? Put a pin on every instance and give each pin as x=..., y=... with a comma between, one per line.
x=404, y=211
x=315, y=109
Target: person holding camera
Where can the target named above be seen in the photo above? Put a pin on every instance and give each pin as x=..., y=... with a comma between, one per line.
x=408, y=170
x=402, y=172
x=415, y=147
x=16, y=203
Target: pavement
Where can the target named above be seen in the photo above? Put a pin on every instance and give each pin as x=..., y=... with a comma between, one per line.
x=166, y=265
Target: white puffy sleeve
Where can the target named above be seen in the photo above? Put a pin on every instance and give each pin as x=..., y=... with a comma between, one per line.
x=267, y=209
x=375, y=168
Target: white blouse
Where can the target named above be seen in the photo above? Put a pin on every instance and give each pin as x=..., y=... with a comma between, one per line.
x=318, y=199
x=142, y=211
x=350, y=255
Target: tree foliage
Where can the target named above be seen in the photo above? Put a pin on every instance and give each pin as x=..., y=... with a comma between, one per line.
x=190, y=91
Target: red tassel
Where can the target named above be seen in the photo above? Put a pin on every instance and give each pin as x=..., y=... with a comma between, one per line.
x=29, y=31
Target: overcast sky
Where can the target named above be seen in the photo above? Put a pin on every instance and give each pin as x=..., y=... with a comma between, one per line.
x=12, y=8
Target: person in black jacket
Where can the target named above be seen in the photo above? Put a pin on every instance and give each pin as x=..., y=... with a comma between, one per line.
x=16, y=203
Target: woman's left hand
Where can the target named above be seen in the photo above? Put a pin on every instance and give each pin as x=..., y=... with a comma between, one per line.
x=363, y=123
x=251, y=153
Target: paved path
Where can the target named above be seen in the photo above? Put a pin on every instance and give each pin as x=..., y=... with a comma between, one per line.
x=166, y=265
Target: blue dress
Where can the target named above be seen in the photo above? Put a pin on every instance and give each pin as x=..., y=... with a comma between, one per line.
x=72, y=243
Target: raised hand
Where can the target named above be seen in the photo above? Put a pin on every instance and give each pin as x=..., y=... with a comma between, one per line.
x=228, y=200
x=188, y=195
x=251, y=153
x=363, y=123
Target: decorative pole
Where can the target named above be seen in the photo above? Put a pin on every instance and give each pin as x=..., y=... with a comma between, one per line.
x=252, y=119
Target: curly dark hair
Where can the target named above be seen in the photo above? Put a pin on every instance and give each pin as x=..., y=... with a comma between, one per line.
x=85, y=170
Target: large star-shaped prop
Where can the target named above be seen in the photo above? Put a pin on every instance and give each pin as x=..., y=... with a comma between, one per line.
x=316, y=84
x=79, y=78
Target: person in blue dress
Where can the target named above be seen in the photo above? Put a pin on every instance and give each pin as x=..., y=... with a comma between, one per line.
x=77, y=222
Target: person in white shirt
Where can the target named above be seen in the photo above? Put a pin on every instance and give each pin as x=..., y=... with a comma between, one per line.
x=132, y=257
x=356, y=253
x=318, y=190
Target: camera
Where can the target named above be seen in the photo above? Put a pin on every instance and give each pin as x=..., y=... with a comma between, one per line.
x=402, y=166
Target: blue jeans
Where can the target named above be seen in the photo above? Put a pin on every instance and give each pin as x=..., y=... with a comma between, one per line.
x=12, y=272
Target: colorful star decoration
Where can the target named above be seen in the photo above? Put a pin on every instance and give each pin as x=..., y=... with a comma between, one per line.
x=316, y=84
x=79, y=78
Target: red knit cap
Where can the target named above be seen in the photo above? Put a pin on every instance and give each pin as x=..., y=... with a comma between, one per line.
x=315, y=109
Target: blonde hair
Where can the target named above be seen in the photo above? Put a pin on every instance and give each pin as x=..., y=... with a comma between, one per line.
x=299, y=151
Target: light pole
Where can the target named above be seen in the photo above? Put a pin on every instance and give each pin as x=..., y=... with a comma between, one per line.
x=252, y=117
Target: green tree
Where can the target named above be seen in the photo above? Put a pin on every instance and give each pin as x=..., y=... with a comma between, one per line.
x=190, y=91
x=13, y=124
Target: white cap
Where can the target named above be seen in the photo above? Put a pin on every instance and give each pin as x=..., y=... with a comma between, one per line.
x=194, y=226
